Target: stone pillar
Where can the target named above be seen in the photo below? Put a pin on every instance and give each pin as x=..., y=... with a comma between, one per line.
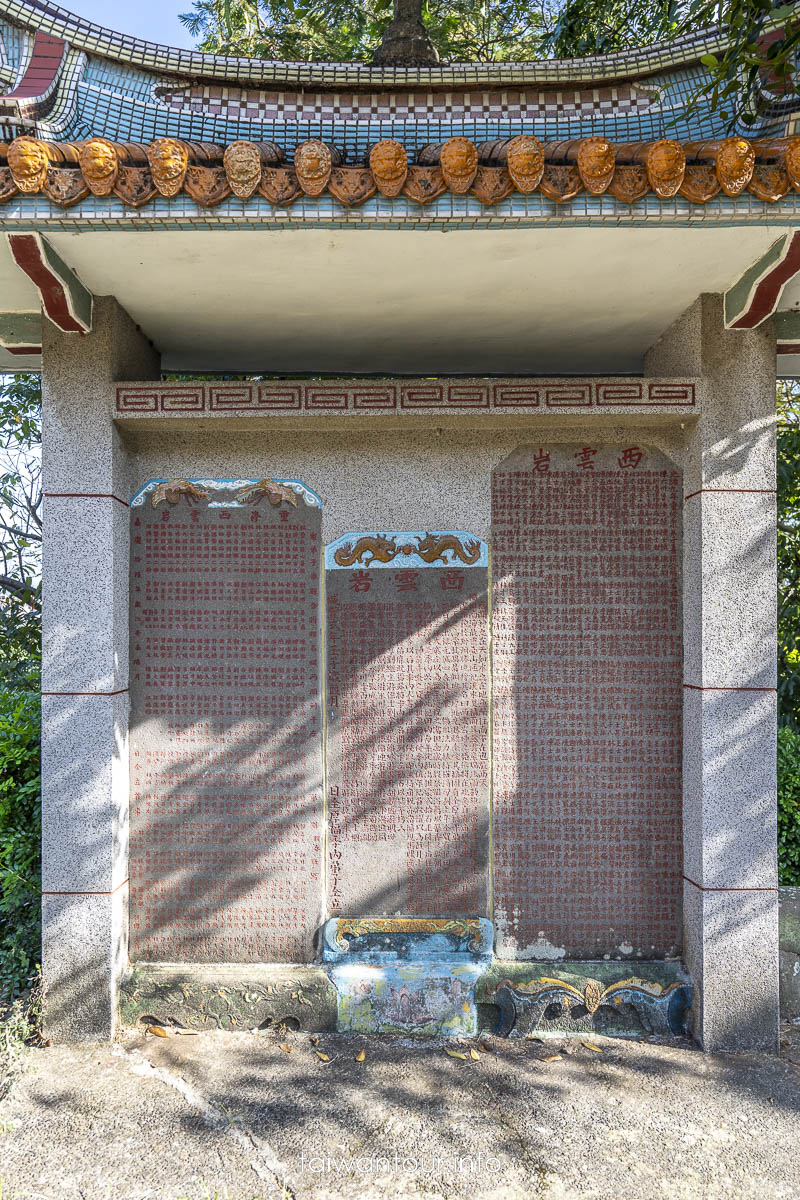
x=729, y=621
x=85, y=671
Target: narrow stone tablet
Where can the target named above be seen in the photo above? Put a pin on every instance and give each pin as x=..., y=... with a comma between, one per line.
x=587, y=702
x=226, y=727
x=407, y=682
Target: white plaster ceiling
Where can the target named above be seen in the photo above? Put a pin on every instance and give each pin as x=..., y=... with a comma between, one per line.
x=539, y=301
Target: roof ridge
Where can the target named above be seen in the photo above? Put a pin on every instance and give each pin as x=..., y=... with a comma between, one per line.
x=40, y=15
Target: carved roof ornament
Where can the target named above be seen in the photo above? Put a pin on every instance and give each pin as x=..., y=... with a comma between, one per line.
x=595, y=162
x=243, y=166
x=351, y=185
x=388, y=162
x=28, y=160
x=664, y=161
x=279, y=185
x=525, y=162
x=491, y=185
x=244, y=163
x=66, y=171
x=458, y=159
x=733, y=158
x=64, y=186
x=313, y=164
x=169, y=161
x=424, y=184
x=405, y=41
x=99, y=162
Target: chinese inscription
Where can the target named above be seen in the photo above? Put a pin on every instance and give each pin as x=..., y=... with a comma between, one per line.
x=408, y=773
x=226, y=728
x=587, y=702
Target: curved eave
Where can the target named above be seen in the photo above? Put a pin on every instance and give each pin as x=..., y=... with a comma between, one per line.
x=36, y=15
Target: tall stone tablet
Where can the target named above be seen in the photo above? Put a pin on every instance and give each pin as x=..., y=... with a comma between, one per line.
x=587, y=702
x=226, y=724
x=407, y=683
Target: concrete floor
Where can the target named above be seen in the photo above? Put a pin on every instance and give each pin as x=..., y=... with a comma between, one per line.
x=234, y=1116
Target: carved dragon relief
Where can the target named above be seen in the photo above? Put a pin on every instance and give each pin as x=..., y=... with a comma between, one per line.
x=523, y=1006
x=430, y=548
x=253, y=493
x=467, y=928
x=172, y=490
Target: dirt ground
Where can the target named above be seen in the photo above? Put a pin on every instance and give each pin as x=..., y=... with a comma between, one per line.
x=236, y=1117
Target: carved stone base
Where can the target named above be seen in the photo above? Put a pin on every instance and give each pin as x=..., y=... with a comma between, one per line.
x=620, y=999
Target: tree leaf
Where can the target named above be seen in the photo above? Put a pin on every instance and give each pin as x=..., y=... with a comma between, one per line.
x=473, y=1053
x=455, y=1054
x=158, y=1030
x=591, y=1046
x=362, y=1054
x=322, y=1056
x=286, y=1049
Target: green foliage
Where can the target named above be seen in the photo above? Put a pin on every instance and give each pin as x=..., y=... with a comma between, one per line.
x=789, y=807
x=336, y=31
x=20, y=527
x=764, y=35
x=20, y=833
x=789, y=554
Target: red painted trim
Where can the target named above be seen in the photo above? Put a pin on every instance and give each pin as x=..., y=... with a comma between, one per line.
x=26, y=249
x=111, y=893
x=788, y=347
x=700, y=888
x=768, y=289
x=42, y=70
x=695, y=687
x=119, y=692
x=22, y=349
x=85, y=496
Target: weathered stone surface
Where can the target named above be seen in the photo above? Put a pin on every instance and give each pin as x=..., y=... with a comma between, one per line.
x=587, y=702
x=789, y=941
x=226, y=728
x=229, y=997
x=408, y=772
x=84, y=949
x=84, y=793
x=731, y=952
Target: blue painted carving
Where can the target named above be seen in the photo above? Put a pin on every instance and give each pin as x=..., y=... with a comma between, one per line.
x=407, y=975
x=542, y=1003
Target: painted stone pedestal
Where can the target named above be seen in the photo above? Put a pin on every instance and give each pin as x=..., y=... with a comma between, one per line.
x=412, y=977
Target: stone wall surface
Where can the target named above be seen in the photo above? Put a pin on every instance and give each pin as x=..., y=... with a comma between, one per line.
x=85, y=670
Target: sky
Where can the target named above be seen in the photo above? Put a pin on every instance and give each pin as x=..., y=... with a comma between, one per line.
x=153, y=20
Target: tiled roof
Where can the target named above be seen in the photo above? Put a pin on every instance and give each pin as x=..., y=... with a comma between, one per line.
x=94, y=39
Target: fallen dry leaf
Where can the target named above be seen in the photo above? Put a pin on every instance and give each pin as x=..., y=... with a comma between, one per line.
x=473, y=1053
x=455, y=1054
x=591, y=1046
x=552, y=1058
x=322, y=1055
x=314, y=1041
x=286, y=1049
x=157, y=1030
x=362, y=1054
